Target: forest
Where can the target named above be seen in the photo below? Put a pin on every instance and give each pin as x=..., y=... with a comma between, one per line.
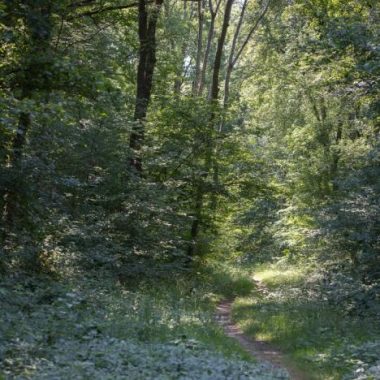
x=161, y=159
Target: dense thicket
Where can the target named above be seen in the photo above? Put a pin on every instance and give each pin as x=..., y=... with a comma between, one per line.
x=315, y=108
x=134, y=133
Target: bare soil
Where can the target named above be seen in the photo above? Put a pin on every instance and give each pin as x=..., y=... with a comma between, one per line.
x=259, y=349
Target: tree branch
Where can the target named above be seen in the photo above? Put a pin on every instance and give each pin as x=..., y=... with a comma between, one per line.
x=105, y=9
x=253, y=30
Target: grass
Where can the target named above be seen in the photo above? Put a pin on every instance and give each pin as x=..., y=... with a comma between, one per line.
x=318, y=337
x=94, y=327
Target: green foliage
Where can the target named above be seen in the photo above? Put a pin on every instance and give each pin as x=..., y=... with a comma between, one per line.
x=103, y=330
x=293, y=312
x=287, y=168
x=314, y=121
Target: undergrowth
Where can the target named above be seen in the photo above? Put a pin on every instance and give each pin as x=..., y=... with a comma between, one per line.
x=94, y=327
x=321, y=330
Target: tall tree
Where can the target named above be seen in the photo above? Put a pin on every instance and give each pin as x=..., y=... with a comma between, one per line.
x=147, y=25
x=213, y=9
x=200, y=183
x=33, y=75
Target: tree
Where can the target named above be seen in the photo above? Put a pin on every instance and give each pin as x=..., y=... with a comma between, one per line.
x=147, y=61
x=33, y=73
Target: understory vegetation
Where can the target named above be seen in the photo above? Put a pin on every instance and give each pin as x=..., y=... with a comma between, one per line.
x=96, y=327
x=157, y=155
x=322, y=330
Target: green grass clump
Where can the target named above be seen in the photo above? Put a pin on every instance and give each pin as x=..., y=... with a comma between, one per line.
x=226, y=280
x=291, y=313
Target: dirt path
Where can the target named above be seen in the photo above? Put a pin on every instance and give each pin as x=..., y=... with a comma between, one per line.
x=260, y=349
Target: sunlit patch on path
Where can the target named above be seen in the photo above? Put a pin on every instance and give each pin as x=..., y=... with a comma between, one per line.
x=260, y=349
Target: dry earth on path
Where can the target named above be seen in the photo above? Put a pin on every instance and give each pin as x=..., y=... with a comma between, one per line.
x=259, y=349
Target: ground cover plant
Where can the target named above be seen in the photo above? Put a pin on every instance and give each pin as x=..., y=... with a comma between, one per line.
x=326, y=339
x=97, y=328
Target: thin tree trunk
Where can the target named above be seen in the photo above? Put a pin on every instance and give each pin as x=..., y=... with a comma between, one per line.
x=336, y=157
x=14, y=164
x=230, y=64
x=210, y=37
x=38, y=21
x=233, y=58
x=197, y=75
x=214, y=93
x=211, y=160
x=181, y=70
x=147, y=61
x=193, y=246
x=229, y=69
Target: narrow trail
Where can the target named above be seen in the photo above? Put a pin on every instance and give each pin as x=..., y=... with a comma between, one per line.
x=261, y=350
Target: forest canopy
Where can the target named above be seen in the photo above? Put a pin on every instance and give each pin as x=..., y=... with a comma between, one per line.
x=154, y=130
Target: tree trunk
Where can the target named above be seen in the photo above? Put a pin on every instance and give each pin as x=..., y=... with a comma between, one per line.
x=210, y=37
x=147, y=61
x=39, y=25
x=193, y=247
x=181, y=70
x=197, y=75
x=214, y=94
x=231, y=58
x=336, y=157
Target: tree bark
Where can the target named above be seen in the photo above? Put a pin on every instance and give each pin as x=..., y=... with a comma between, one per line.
x=230, y=64
x=210, y=37
x=200, y=184
x=214, y=92
x=147, y=61
x=197, y=75
x=233, y=58
x=10, y=195
x=38, y=24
